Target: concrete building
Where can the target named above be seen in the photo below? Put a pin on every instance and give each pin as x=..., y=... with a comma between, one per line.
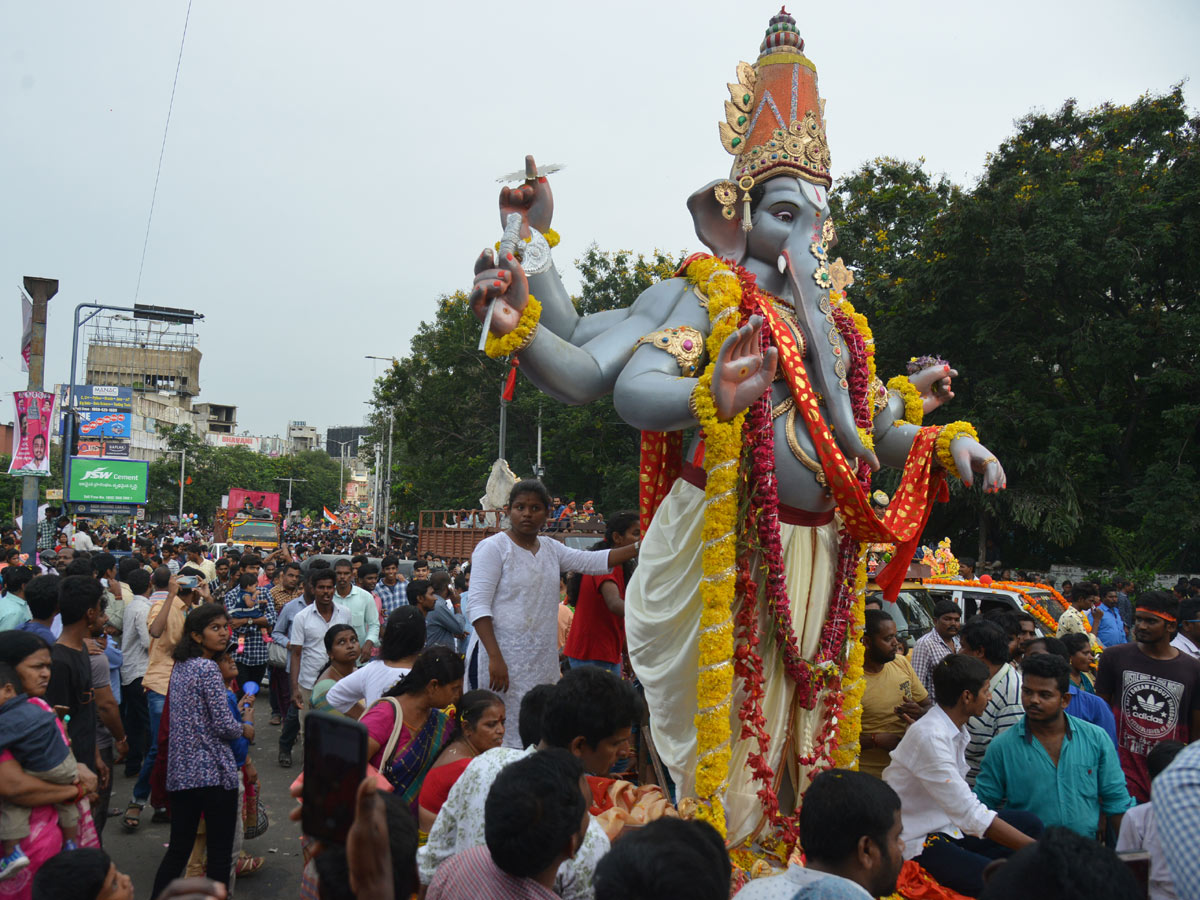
x=216, y=418
x=123, y=362
x=301, y=437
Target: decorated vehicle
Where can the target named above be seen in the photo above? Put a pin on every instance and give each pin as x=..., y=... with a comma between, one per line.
x=262, y=534
x=251, y=519
x=745, y=612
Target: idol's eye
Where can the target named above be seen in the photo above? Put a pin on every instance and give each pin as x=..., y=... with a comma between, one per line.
x=783, y=215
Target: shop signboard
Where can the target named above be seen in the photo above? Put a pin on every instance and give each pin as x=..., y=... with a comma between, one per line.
x=107, y=480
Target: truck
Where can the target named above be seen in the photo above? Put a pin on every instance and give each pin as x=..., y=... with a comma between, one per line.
x=249, y=519
x=453, y=533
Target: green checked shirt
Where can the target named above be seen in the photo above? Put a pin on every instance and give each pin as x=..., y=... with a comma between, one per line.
x=1018, y=773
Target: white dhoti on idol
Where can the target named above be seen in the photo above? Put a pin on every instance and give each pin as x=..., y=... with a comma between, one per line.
x=662, y=617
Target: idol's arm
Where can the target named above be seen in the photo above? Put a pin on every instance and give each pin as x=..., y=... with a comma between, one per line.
x=893, y=441
x=579, y=374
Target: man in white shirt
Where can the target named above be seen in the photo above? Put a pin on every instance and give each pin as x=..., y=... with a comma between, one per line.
x=590, y=713
x=364, y=615
x=945, y=827
x=850, y=831
x=1188, y=639
x=82, y=539
x=135, y=654
x=306, y=643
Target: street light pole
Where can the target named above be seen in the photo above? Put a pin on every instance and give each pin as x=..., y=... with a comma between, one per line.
x=341, y=466
x=182, y=473
x=290, y=482
x=387, y=482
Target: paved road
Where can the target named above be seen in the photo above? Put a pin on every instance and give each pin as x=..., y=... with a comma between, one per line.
x=139, y=854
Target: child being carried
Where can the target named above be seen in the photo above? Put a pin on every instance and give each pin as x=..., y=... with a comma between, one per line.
x=31, y=731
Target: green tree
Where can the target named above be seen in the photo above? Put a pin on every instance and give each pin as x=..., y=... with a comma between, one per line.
x=446, y=399
x=214, y=470
x=1063, y=287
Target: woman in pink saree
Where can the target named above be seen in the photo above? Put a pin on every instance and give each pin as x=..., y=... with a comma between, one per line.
x=29, y=655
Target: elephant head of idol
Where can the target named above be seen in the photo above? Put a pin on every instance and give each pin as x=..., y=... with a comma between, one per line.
x=771, y=216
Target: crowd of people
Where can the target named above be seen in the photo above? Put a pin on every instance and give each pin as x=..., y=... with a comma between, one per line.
x=500, y=709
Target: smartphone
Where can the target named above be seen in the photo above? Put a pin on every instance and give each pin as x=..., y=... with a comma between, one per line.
x=335, y=763
x=187, y=581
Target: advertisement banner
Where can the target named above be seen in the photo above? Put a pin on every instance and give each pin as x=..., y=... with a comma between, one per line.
x=107, y=480
x=118, y=449
x=95, y=424
x=238, y=499
x=102, y=411
x=31, y=436
x=26, y=331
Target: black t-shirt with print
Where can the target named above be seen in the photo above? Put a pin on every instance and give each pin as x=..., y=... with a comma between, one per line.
x=1152, y=701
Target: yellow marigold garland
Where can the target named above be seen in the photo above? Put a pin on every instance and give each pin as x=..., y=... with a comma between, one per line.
x=854, y=682
x=914, y=406
x=516, y=339
x=942, y=445
x=722, y=453
x=838, y=299
x=864, y=328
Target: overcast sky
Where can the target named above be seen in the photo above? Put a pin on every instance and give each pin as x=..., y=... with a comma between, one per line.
x=330, y=167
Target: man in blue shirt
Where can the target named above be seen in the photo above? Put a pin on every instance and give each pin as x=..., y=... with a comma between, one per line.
x=1084, y=706
x=1107, y=624
x=1063, y=770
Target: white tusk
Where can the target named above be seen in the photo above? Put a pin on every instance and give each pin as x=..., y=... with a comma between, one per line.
x=782, y=263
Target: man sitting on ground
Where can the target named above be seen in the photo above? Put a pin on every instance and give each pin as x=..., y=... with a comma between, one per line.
x=590, y=713
x=850, y=832
x=535, y=819
x=947, y=830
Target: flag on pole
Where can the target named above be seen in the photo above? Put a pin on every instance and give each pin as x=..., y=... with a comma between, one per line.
x=26, y=330
x=510, y=383
x=329, y=517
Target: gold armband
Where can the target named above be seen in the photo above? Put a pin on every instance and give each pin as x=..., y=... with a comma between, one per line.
x=684, y=343
x=520, y=337
x=944, y=439
x=914, y=406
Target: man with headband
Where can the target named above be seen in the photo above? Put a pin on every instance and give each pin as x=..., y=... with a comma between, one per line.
x=1153, y=688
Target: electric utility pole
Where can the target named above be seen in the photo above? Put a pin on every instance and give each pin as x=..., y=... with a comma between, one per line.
x=40, y=291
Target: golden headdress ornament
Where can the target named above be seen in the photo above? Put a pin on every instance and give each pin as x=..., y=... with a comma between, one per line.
x=774, y=118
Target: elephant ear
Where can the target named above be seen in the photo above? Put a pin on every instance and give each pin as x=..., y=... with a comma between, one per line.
x=724, y=237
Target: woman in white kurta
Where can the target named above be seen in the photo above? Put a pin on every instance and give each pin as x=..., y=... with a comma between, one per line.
x=514, y=600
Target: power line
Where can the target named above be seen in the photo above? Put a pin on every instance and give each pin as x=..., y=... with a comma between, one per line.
x=161, y=151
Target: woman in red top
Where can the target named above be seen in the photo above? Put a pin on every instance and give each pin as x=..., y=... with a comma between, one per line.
x=598, y=632
x=480, y=721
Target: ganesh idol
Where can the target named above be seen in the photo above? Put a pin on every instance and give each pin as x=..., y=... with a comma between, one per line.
x=744, y=614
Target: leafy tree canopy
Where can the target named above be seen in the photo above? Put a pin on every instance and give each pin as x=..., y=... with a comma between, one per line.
x=1063, y=287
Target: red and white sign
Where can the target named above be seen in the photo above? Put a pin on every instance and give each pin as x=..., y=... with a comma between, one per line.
x=31, y=437
x=239, y=497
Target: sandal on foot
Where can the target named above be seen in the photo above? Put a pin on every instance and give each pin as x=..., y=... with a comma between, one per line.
x=130, y=822
x=248, y=865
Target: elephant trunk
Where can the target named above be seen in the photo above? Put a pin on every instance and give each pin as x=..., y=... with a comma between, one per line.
x=825, y=355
